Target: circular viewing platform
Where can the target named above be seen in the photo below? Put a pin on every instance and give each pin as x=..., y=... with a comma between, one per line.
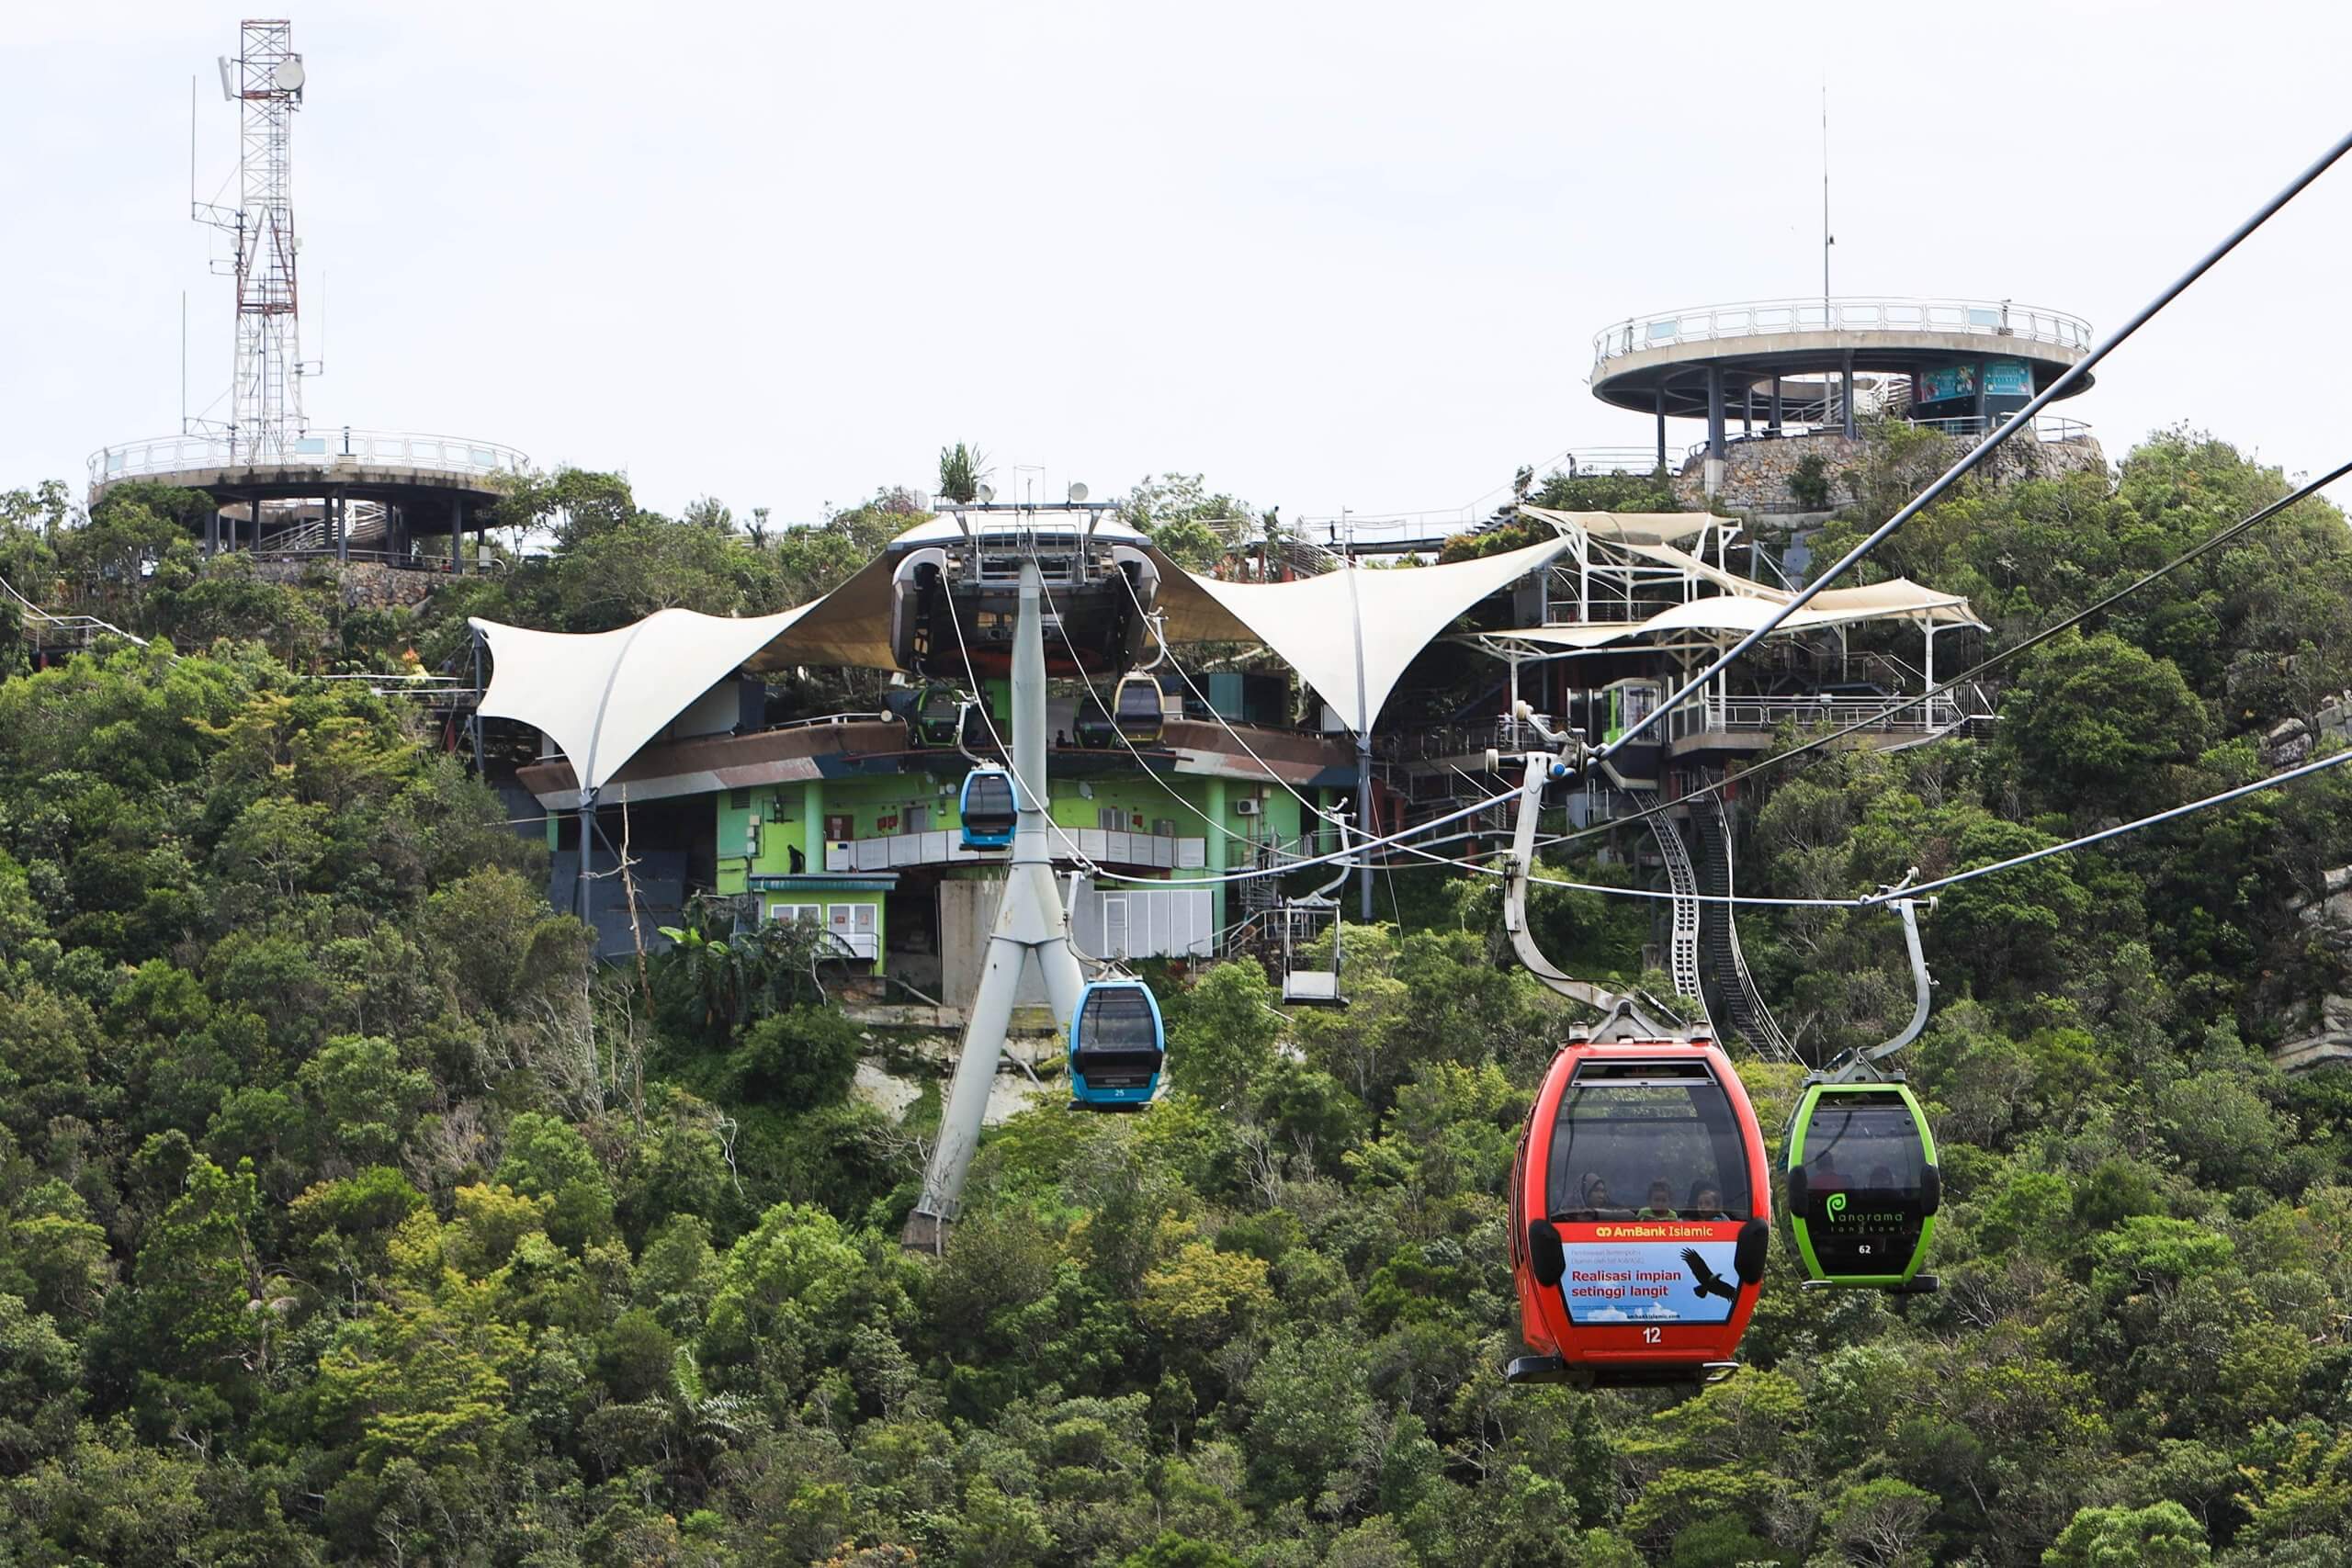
x=375, y=464
x=1941, y=350
x=354, y=494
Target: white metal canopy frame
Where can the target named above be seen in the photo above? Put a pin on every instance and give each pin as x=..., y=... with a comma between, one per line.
x=602, y=696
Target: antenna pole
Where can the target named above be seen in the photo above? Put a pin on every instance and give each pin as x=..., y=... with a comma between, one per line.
x=1827, y=239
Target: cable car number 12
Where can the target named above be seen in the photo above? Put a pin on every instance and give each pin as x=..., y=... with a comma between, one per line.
x=1649, y=1336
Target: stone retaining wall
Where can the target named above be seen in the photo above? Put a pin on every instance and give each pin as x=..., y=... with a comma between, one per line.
x=1756, y=472
x=365, y=585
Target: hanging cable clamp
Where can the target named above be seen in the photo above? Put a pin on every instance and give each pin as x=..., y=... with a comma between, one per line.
x=1889, y=892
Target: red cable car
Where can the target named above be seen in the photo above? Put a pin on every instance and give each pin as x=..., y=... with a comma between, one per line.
x=1641, y=1210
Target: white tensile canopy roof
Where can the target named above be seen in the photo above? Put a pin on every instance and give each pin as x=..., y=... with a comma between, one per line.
x=602, y=696
x=1628, y=528
x=1740, y=614
x=1313, y=623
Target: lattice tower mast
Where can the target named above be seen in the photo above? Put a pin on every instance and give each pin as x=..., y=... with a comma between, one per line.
x=266, y=79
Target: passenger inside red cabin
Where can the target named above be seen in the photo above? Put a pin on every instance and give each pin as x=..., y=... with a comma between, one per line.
x=1597, y=1200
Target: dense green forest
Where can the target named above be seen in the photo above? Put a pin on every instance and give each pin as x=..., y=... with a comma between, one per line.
x=347, y=1213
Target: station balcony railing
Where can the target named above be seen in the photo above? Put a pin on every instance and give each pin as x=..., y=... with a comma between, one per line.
x=893, y=851
x=1470, y=738
x=1774, y=318
x=1937, y=715
x=322, y=445
x=1594, y=462
x=2046, y=429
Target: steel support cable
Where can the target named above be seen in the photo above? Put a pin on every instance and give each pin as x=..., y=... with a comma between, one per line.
x=1653, y=893
x=1984, y=448
x=1346, y=854
x=2273, y=782
x=1044, y=808
x=1100, y=875
x=1922, y=889
x=2227, y=536
x=1111, y=718
x=1265, y=766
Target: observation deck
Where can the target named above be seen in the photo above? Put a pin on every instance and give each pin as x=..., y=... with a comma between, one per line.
x=362, y=462
x=1661, y=364
x=295, y=499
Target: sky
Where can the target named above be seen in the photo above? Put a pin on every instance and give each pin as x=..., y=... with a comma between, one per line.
x=1327, y=256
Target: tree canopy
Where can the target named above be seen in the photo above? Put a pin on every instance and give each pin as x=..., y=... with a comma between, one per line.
x=350, y=1213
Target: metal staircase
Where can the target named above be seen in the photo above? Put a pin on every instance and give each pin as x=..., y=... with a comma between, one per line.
x=1731, y=994
x=366, y=526
x=1257, y=894
x=1682, y=949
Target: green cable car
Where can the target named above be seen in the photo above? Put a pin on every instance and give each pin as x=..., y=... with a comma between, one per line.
x=1863, y=1183
x=937, y=716
x=1863, y=1188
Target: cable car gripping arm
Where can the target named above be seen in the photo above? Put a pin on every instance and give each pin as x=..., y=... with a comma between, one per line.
x=1541, y=768
x=1859, y=1065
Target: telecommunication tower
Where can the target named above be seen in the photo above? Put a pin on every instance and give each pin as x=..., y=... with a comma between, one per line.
x=265, y=404
x=281, y=486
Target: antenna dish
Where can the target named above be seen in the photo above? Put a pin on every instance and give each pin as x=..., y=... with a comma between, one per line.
x=1079, y=493
x=986, y=493
x=289, y=75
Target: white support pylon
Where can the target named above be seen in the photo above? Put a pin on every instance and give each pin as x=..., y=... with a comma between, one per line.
x=1032, y=927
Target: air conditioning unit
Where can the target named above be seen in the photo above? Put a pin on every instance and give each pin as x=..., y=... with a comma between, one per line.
x=1251, y=806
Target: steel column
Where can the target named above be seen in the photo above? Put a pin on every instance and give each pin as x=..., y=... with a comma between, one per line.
x=1032, y=927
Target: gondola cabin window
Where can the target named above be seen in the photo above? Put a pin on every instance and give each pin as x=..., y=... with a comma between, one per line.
x=1119, y=1018
x=1863, y=1144
x=1646, y=1140
x=1116, y=1044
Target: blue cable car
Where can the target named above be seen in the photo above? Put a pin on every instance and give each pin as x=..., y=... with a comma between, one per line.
x=1117, y=1046
x=990, y=808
